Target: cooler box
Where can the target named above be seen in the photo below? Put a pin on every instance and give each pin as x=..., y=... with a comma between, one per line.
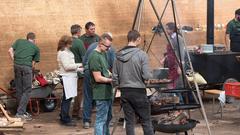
x=232, y=89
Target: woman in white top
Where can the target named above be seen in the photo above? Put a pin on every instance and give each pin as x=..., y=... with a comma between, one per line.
x=68, y=71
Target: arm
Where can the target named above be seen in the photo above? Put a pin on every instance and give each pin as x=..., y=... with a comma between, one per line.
x=11, y=53
x=82, y=50
x=111, y=57
x=227, y=35
x=99, y=78
x=11, y=50
x=67, y=64
x=227, y=41
x=146, y=75
x=88, y=53
x=36, y=58
x=33, y=64
x=115, y=74
x=85, y=58
x=182, y=49
x=95, y=68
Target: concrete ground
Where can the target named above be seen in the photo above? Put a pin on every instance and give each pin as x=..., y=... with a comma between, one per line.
x=48, y=124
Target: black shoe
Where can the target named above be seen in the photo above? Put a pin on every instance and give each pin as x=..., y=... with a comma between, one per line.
x=75, y=117
x=70, y=124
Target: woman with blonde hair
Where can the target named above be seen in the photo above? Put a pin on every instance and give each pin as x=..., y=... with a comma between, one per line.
x=68, y=71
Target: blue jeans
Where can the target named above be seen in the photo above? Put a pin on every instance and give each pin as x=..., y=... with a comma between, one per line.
x=87, y=97
x=103, y=117
x=65, y=108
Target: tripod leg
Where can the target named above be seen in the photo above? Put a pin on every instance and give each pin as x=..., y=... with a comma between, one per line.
x=136, y=14
x=116, y=122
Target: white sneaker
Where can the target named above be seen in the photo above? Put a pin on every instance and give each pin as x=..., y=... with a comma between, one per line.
x=86, y=125
x=23, y=117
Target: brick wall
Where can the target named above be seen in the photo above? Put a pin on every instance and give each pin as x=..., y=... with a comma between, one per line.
x=50, y=19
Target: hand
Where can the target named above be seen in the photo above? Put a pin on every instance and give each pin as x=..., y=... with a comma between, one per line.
x=147, y=82
x=33, y=67
x=81, y=65
x=110, y=74
x=179, y=71
x=80, y=69
x=108, y=80
x=162, y=60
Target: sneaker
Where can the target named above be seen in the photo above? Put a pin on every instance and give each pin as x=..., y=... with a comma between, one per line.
x=86, y=125
x=28, y=114
x=23, y=117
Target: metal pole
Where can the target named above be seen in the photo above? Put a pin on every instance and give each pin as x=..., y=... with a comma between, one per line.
x=151, y=42
x=178, y=46
x=195, y=83
x=210, y=22
x=187, y=53
x=164, y=10
x=140, y=15
x=136, y=14
x=164, y=31
x=160, y=22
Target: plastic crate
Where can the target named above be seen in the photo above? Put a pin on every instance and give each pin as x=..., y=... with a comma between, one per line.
x=232, y=89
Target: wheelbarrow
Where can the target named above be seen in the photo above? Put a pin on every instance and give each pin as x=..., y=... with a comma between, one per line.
x=39, y=96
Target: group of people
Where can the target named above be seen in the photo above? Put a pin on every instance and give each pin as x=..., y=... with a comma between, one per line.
x=89, y=69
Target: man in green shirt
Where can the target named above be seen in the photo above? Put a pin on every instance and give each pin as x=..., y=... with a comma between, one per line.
x=101, y=85
x=233, y=33
x=79, y=51
x=89, y=37
x=25, y=54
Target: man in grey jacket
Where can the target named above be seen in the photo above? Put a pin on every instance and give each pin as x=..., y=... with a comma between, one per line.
x=130, y=71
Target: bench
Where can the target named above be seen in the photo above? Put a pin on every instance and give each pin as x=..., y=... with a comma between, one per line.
x=214, y=93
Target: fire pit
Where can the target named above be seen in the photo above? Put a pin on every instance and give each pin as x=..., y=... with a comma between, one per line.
x=174, y=128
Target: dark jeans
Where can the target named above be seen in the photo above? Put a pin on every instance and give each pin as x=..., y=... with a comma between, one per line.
x=65, y=108
x=23, y=78
x=87, y=97
x=78, y=99
x=135, y=101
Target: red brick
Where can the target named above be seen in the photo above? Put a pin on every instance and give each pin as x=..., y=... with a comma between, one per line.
x=52, y=19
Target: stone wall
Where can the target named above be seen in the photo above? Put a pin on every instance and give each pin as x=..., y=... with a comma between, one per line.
x=50, y=19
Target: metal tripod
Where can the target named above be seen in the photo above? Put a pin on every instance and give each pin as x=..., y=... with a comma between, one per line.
x=176, y=21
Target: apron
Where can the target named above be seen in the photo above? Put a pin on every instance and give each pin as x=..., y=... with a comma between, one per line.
x=70, y=85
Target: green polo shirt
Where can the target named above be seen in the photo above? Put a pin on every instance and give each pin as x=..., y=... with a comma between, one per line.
x=78, y=50
x=231, y=25
x=88, y=40
x=25, y=52
x=98, y=62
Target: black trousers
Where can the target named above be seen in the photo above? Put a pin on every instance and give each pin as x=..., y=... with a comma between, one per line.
x=235, y=46
x=135, y=101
